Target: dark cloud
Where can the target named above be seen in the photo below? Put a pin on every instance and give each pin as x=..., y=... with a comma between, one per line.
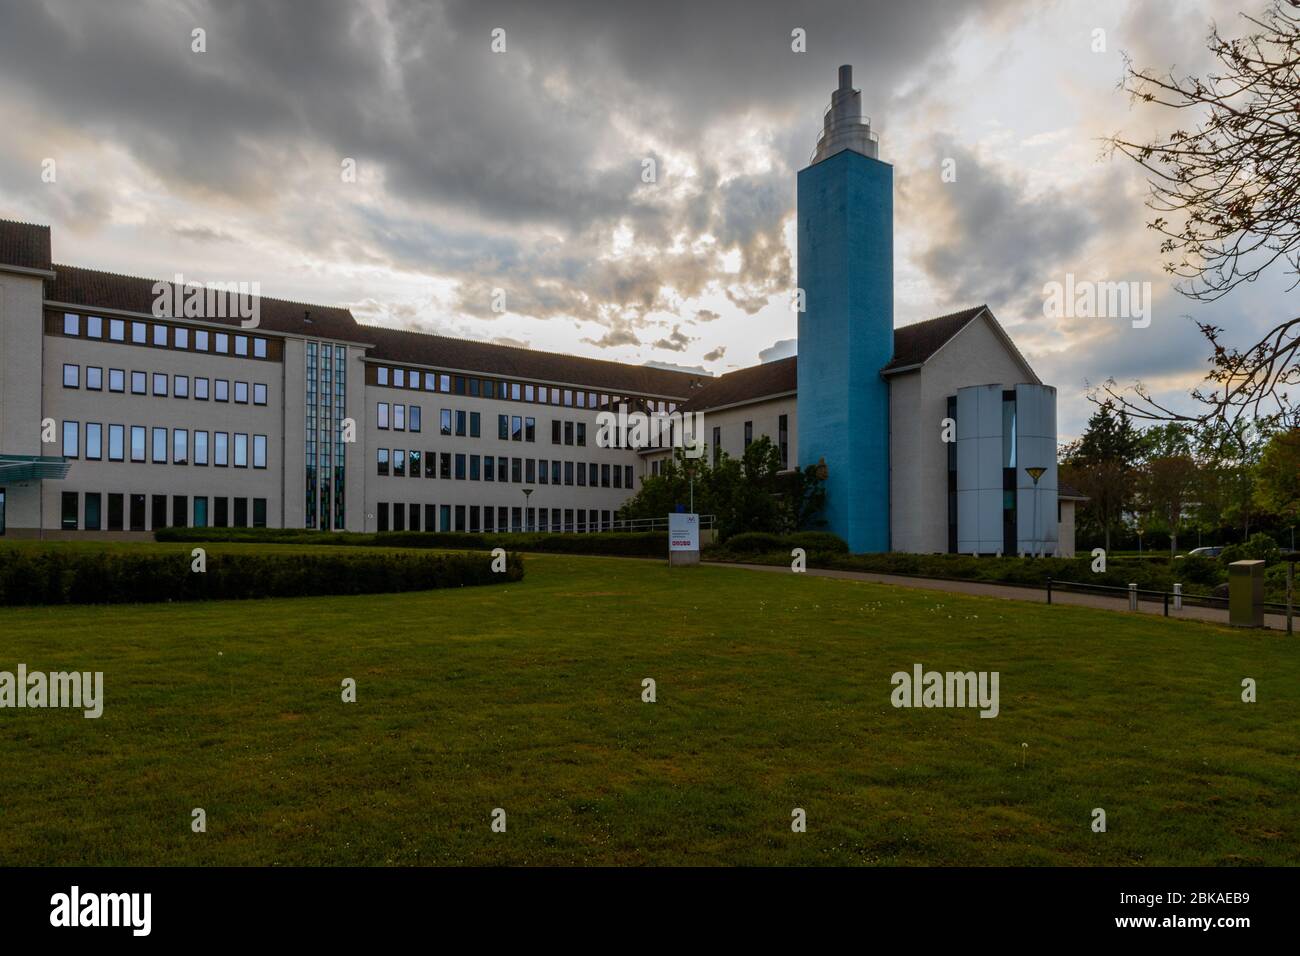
x=714, y=355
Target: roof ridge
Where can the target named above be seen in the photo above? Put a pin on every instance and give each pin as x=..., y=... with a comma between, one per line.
x=23, y=222
x=532, y=351
x=270, y=298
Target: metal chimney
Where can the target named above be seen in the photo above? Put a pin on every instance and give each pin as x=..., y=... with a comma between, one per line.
x=844, y=126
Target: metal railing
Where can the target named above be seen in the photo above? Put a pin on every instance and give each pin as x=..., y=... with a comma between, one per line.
x=1178, y=598
x=707, y=523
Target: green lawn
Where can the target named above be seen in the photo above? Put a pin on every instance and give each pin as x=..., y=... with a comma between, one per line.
x=773, y=693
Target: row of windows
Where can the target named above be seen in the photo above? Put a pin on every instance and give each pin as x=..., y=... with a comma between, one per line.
x=161, y=385
x=123, y=512
x=163, y=336
x=397, y=516
x=153, y=444
x=400, y=463
x=510, y=391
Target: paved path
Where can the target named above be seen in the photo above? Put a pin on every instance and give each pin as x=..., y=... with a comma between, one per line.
x=1013, y=592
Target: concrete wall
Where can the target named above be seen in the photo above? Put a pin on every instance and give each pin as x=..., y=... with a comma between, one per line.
x=918, y=404
x=21, y=343
x=1065, y=530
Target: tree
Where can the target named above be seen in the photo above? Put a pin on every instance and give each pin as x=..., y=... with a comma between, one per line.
x=1167, y=478
x=1101, y=466
x=1277, y=478
x=1226, y=198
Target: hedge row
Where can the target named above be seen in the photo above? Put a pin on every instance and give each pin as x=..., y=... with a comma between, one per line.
x=621, y=543
x=67, y=576
x=1198, y=575
x=760, y=542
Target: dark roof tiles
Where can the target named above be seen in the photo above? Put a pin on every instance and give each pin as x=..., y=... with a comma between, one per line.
x=24, y=245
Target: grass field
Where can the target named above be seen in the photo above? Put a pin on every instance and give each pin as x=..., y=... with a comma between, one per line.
x=773, y=693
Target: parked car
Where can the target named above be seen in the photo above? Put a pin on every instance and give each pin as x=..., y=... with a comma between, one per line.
x=1212, y=552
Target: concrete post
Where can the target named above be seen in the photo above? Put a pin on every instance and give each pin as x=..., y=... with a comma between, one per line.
x=1132, y=597
x=1178, y=597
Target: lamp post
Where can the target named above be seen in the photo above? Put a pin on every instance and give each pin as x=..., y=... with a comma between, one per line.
x=523, y=519
x=1035, y=473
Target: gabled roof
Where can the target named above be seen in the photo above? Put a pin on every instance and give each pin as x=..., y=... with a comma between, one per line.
x=747, y=385
x=421, y=348
x=107, y=290
x=24, y=245
x=914, y=344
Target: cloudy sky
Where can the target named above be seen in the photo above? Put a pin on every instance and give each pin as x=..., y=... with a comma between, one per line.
x=523, y=169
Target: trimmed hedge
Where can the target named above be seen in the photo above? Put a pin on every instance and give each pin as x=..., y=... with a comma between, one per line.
x=612, y=543
x=761, y=542
x=59, y=576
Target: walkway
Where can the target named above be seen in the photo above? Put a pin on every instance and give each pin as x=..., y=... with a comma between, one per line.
x=1016, y=593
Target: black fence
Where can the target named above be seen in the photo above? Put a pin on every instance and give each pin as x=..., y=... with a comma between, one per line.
x=1165, y=598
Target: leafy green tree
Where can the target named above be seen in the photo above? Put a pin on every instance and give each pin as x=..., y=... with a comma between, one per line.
x=1101, y=465
x=1277, y=477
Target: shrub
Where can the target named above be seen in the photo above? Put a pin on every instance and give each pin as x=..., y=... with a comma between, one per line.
x=621, y=543
x=1259, y=547
x=761, y=542
x=66, y=576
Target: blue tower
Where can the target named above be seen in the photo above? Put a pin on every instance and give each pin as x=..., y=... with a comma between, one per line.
x=846, y=331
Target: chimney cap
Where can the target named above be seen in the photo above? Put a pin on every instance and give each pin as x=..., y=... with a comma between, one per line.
x=846, y=76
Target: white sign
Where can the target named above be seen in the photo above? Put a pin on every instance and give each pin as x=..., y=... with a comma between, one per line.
x=683, y=532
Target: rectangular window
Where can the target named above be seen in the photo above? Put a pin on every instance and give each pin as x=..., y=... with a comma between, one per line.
x=200, y=340
x=543, y=471
x=180, y=386
x=259, y=451
x=241, y=345
x=159, y=509
x=489, y=388
x=139, y=333
x=430, y=382
x=381, y=516
x=71, y=376
x=582, y=474
x=116, y=380
x=94, y=378
x=241, y=393
x=241, y=512
x=444, y=425
x=516, y=428
x=489, y=468
x=259, y=351
x=413, y=418
x=460, y=517
x=160, y=446
x=783, y=439
x=717, y=443
x=160, y=336
x=94, y=327
x=473, y=467
x=220, y=512
x=399, y=462
x=461, y=420
x=381, y=375
x=259, y=504
x=94, y=441
x=115, y=510
x=460, y=467
x=582, y=434
x=503, y=427
x=259, y=392
x=399, y=517
x=137, y=512
x=444, y=465
x=568, y=472
x=222, y=392
x=475, y=429
x=222, y=343
x=555, y=472
x=116, y=439
x=414, y=461
x=93, y=504
x=444, y=383
x=180, y=446
x=381, y=462
x=139, y=383
x=201, y=389
x=241, y=450
x=71, y=324
x=382, y=415
x=568, y=433
x=200, y=448
x=181, y=338
x=137, y=443
x=430, y=465
x=200, y=511
x=444, y=514
x=399, y=378
x=221, y=449
x=71, y=435
x=555, y=431
x=749, y=434
x=180, y=511
x=117, y=330
x=503, y=469
x=628, y=478
x=160, y=384
x=70, y=507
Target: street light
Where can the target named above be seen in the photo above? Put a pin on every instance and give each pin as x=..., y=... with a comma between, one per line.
x=523, y=519
x=1036, y=473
